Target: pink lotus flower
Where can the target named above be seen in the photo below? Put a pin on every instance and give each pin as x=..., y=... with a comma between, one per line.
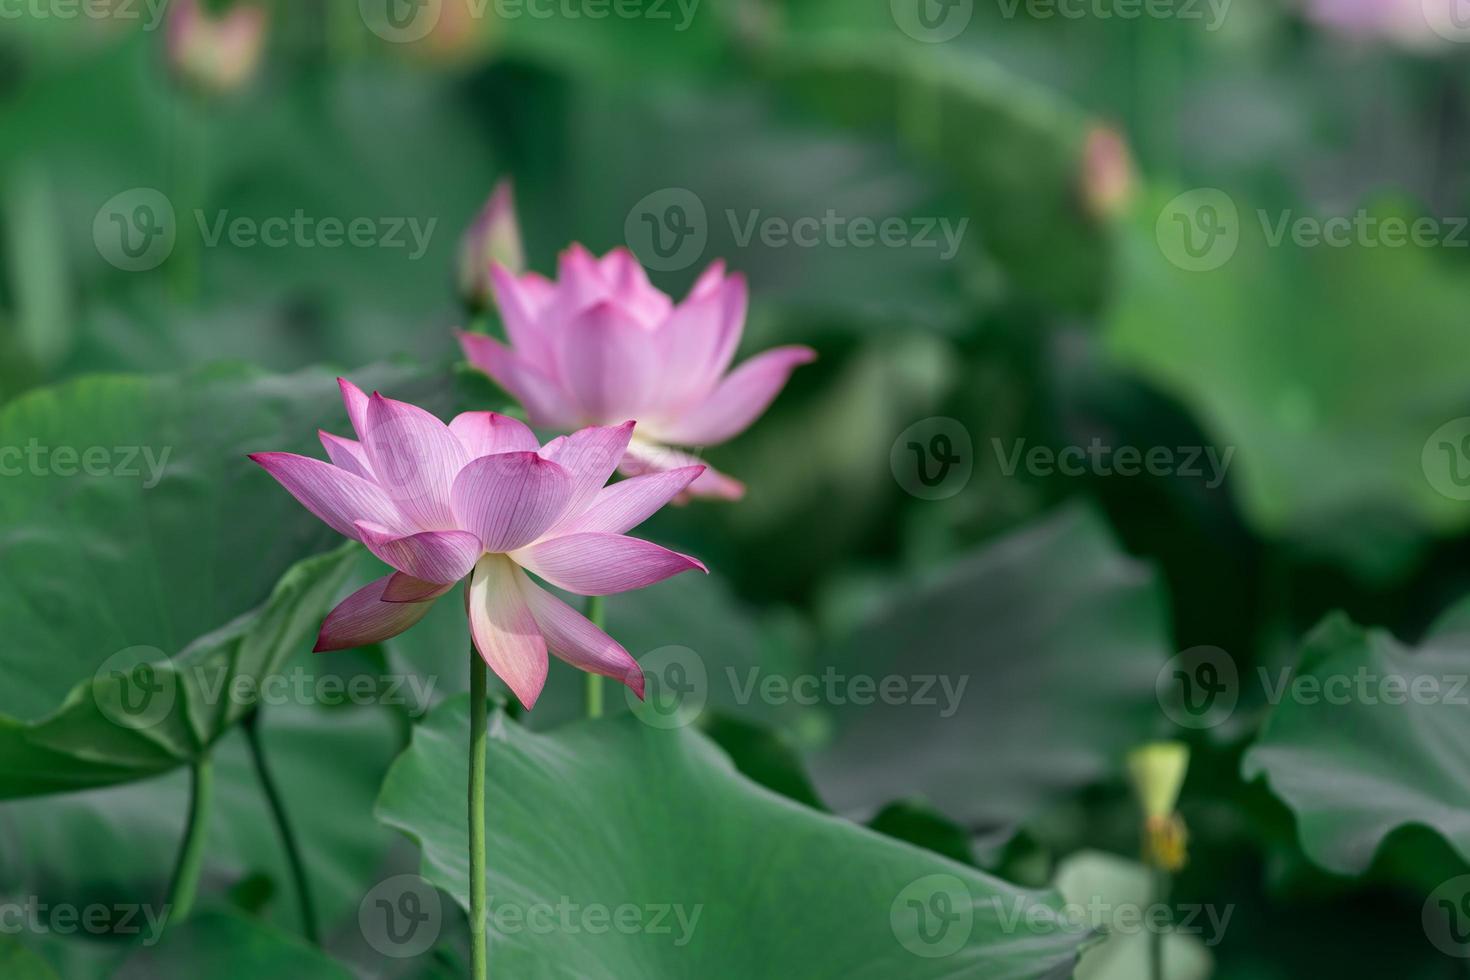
x=601, y=344
x=480, y=497
x=216, y=52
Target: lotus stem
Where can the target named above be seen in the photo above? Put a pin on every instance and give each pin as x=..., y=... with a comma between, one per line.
x=480, y=966
x=594, y=681
x=185, y=883
x=283, y=828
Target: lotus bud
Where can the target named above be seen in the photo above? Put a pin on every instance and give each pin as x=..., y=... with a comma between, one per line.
x=1157, y=771
x=216, y=53
x=494, y=239
x=1107, y=172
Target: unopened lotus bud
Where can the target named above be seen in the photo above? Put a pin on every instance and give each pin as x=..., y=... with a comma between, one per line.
x=216, y=53
x=494, y=239
x=1107, y=172
x=1157, y=771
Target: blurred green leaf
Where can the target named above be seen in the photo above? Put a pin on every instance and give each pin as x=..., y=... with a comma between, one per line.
x=1368, y=736
x=1020, y=674
x=140, y=553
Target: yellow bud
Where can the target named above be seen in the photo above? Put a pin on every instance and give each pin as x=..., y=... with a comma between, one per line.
x=1157, y=771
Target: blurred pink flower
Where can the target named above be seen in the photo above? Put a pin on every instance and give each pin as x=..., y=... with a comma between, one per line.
x=1409, y=23
x=495, y=237
x=601, y=344
x=216, y=53
x=480, y=497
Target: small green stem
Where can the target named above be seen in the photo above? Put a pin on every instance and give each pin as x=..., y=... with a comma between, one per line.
x=1156, y=938
x=478, y=739
x=185, y=883
x=594, y=681
x=283, y=828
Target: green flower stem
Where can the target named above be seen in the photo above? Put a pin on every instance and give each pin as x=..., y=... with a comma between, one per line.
x=185, y=883
x=1162, y=885
x=594, y=681
x=283, y=828
x=478, y=917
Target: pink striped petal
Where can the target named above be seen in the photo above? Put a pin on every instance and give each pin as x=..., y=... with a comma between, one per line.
x=736, y=297
x=738, y=401
x=406, y=588
x=709, y=281
x=544, y=400
x=510, y=499
x=346, y=454
x=629, y=287
x=357, y=404
x=504, y=631
x=644, y=457
x=441, y=557
x=337, y=497
x=590, y=456
x=415, y=459
x=608, y=363
x=521, y=300
x=488, y=433
x=575, y=639
x=628, y=503
x=364, y=617
x=593, y=563
x=698, y=340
